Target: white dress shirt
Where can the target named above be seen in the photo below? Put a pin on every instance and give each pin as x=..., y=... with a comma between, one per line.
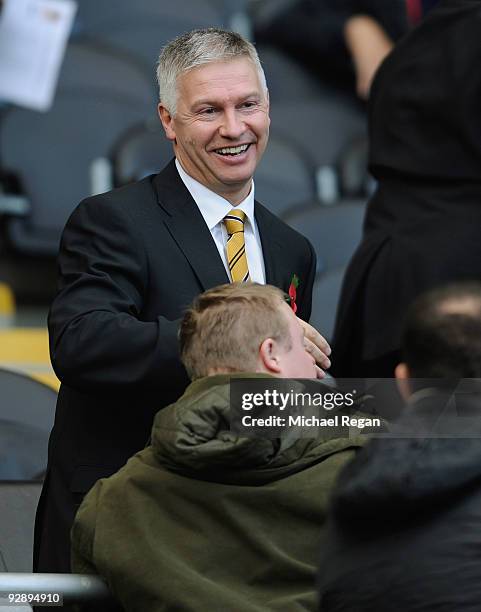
x=214, y=208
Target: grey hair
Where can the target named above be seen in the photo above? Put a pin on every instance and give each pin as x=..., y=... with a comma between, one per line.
x=197, y=48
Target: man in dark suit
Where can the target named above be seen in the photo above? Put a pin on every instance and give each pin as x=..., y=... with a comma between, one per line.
x=133, y=259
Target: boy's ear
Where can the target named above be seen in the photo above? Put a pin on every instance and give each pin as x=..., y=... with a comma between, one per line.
x=268, y=356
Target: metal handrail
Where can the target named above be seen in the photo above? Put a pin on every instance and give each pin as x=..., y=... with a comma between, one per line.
x=72, y=587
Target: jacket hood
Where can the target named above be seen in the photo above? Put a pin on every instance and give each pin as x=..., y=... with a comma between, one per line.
x=193, y=437
x=402, y=477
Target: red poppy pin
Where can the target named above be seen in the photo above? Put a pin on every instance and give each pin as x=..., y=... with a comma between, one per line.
x=293, y=292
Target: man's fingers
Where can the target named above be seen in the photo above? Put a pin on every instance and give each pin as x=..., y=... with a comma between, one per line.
x=316, y=345
x=315, y=337
x=320, y=357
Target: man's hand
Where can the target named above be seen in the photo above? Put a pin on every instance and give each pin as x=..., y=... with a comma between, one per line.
x=318, y=347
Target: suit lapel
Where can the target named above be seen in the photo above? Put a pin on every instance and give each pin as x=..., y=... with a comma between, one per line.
x=188, y=228
x=275, y=263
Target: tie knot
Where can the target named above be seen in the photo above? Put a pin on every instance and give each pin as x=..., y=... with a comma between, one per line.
x=234, y=221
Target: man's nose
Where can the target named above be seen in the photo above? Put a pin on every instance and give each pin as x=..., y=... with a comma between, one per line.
x=232, y=126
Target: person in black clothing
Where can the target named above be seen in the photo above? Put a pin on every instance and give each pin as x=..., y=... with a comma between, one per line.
x=403, y=532
x=342, y=42
x=422, y=224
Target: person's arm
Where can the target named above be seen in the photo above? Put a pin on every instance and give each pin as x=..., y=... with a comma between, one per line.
x=97, y=336
x=368, y=44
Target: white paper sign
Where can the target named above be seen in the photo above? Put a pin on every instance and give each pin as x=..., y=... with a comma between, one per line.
x=33, y=36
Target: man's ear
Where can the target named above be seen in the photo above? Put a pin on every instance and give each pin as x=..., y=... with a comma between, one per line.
x=167, y=121
x=268, y=357
x=402, y=380
x=268, y=106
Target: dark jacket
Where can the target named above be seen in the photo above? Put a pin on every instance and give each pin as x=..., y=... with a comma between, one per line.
x=404, y=528
x=422, y=224
x=205, y=520
x=131, y=261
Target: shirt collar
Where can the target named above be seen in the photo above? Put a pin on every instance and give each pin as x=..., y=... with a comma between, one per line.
x=213, y=206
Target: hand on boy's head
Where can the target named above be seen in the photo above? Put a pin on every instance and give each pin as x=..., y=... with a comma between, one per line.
x=318, y=347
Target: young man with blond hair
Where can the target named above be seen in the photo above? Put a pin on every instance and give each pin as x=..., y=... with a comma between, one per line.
x=203, y=518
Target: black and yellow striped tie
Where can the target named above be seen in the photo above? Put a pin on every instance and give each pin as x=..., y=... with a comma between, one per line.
x=236, y=248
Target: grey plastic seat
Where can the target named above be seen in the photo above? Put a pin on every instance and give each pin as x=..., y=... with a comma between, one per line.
x=140, y=151
x=27, y=411
x=142, y=27
x=18, y=504
x=322, y=126
x=99, y=94
x=325, y=298
x=264, y=11
x=283, y=177
x=287, y=80
x=335, y=231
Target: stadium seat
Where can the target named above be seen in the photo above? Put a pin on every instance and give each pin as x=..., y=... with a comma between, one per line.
x=140, y=151
x=321, y=126
x=284, y=176
x=141, y=28
x=56, y=155
x=335, y=231
x=325, y=297
x=18, y=504
x=287, y=80
x=27, y=410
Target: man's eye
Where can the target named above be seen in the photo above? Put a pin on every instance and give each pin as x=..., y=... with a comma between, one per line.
x=208, y=111
x=249, y=104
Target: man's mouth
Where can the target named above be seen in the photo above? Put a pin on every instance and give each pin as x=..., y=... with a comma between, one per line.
x=232, y=151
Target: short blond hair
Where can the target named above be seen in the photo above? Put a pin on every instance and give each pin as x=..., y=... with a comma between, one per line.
x=225, y=326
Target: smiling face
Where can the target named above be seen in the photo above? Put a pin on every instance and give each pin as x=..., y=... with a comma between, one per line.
x=221, y=125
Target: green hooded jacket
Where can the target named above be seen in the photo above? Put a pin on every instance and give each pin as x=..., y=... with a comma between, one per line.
x=204, y=520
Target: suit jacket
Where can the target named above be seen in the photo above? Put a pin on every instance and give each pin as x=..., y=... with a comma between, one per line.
x=131, y=260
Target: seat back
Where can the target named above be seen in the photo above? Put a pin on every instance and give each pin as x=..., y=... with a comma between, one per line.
x=325, y=298
x=322, y=125
x=283, y=176
x=18, y=504
x=27, y=411
x=287, y=80
x=335, y=231
x=141, y=28
x=140, y=151
x=52, y=154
